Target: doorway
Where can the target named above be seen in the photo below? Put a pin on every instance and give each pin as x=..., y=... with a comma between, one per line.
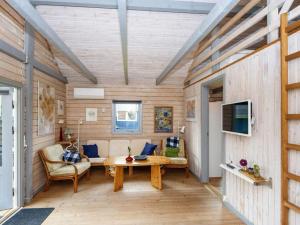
x=10, y=149
x=212, y=144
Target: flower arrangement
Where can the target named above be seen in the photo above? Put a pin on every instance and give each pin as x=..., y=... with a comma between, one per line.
x=129, y=158
x=129, y=151
x=244, y=163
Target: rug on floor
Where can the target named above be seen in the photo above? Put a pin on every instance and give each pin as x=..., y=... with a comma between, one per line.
x=29, y=216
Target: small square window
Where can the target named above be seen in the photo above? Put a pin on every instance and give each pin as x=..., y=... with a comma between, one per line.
x=127, y=117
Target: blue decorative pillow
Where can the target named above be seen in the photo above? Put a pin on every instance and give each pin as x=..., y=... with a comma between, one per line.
x=148, y=149
x=91, y=151
x=70, y=156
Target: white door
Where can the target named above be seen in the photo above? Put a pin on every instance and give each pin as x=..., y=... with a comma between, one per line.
x=6, y=148
x=215, y=139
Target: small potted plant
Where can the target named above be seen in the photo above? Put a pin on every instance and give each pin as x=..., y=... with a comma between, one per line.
x=256, y=170
x=244, y=163
x=129, y=158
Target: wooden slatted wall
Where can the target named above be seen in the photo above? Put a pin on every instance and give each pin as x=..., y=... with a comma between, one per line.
x=43, y=54
x=257, y=78
x=102, y=129
x=11, y=31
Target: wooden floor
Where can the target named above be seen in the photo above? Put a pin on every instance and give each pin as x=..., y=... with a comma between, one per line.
x=182, y=201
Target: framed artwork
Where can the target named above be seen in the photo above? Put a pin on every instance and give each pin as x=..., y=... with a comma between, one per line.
x=46, y=109
x=191, y=109
x=163, y=119
x=60, y=108
x=91, y=114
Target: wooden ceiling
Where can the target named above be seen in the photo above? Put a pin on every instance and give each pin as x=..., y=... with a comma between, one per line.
x=93, y=35
x=154, y=38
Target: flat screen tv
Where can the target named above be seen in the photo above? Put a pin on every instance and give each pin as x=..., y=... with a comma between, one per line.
x=236, y=118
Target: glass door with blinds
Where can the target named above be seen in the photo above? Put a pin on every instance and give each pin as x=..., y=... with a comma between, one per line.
x=7, y=115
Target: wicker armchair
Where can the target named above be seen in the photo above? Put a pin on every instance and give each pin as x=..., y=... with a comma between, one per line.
x=56, y=169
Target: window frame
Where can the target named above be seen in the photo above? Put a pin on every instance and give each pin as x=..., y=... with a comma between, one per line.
x=139, y=117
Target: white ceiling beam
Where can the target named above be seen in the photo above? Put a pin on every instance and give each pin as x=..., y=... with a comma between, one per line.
x=245, y=43
x=217, y=14
x=272, y=19
x=235, y=32
x=139, y=5
x=122, y=11
x=223, y=30
x=286, y=6
x=29, y=13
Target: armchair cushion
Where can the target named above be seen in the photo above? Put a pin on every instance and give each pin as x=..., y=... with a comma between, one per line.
x=54, y=153
x=173, y=142
x=102, y=145
x=70, y=156
x=172, y=152
x=69, y=169
x=181, y=147
x=177, y=160
x=137, y=145
x=97, y=160
x=119, y=147
x=91, y=151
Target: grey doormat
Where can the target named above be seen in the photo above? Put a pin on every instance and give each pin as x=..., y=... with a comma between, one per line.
x=29, y=216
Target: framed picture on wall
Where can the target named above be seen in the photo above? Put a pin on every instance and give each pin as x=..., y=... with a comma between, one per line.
x=60, y=108
x=46, y=109
x=191, y=109
x=91, y=114
x=163, y=119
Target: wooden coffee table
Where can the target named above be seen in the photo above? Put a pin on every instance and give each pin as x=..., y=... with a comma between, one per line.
x=154, y=161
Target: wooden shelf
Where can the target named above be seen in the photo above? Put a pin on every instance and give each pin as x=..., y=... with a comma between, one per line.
x=247, y=177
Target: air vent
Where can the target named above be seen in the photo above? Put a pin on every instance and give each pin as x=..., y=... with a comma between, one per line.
x=88, y=93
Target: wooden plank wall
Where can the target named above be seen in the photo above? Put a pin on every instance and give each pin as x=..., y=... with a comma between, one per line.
x=257, y=78
x=12, y=26
x=43, y=54
x=11, y=31
x=102, y=129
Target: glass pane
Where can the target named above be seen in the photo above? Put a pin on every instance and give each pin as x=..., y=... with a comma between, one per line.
x=127, y=117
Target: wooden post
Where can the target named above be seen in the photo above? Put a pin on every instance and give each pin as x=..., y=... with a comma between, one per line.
x=29, y=51
x=284, y=122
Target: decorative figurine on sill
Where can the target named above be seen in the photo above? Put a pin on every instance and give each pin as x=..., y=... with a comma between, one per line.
x=244, y=163
x=256, y=170
x=129, y=158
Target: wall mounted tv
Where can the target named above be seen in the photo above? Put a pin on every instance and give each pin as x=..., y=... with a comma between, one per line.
x=236, y=118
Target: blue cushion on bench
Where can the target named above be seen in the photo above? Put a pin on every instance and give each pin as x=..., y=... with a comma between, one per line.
x=148, y=149
x=91, y=151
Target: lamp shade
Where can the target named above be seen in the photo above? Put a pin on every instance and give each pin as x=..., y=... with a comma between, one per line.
x=182, y=130
x=61, y=121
